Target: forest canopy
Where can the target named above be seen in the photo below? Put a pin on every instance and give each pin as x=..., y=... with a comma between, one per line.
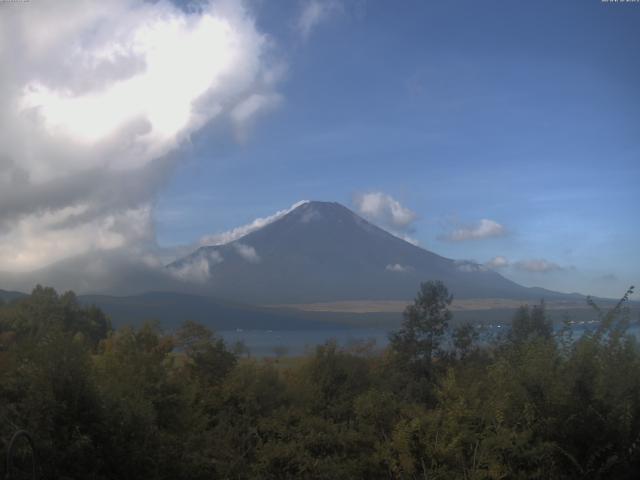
x=130, y=403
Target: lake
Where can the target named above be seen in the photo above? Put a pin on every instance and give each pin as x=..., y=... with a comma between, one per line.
x=265, y=343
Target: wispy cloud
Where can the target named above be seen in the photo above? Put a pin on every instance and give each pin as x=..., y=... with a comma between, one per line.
x=535, y=265
x=245, y=113
x=315, y=12
x=194, y=271
x=197, y=269
x=247, y=252
x=239, y=232
x=538, y=265
x=485, y=228
x=406, y=238
x=609, y=277
x=469, y=266
x=396, y=267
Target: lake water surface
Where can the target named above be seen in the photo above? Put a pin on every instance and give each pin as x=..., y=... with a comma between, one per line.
x=265, y=343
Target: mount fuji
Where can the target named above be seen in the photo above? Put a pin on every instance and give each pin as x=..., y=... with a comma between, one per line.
x=324, y=252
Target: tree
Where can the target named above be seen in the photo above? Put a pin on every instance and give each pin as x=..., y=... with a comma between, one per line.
x=208, y=356
x=425, y=324
x=529, y=323
x=464, y=338
x=44, y=310
x=331, y=379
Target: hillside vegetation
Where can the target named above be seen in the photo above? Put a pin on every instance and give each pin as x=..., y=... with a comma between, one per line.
x=146, y=404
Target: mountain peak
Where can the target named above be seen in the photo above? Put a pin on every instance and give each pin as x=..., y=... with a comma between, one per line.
x=316, y=220
x=316, y=209
x=322, y=206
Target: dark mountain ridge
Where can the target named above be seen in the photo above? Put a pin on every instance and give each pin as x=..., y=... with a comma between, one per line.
x=9, y=296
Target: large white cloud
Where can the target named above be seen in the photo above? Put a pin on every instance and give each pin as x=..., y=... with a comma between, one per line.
x=498, y=262
x=94, y=97
x=383, y=208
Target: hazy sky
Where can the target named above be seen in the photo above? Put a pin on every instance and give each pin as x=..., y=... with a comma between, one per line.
x=501, y=132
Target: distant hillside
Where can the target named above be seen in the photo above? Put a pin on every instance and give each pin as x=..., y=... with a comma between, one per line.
x=322, y=252
x=170, y=309
x=8, y=296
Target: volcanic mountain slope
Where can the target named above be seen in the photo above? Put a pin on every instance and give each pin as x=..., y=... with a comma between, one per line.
x=321, y=252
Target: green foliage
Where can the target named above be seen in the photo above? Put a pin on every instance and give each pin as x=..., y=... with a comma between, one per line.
x=44, y=310
x=425, y=323
x=418, y=343
x=144, y=403
x=207, y=357
x=465, y=339
x=529, y=324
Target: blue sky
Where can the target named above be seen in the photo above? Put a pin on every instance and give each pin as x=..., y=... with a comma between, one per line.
x=525, y=113
x=507, y=133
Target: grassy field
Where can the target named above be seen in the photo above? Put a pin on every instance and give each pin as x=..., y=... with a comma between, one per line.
x=397, y=306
